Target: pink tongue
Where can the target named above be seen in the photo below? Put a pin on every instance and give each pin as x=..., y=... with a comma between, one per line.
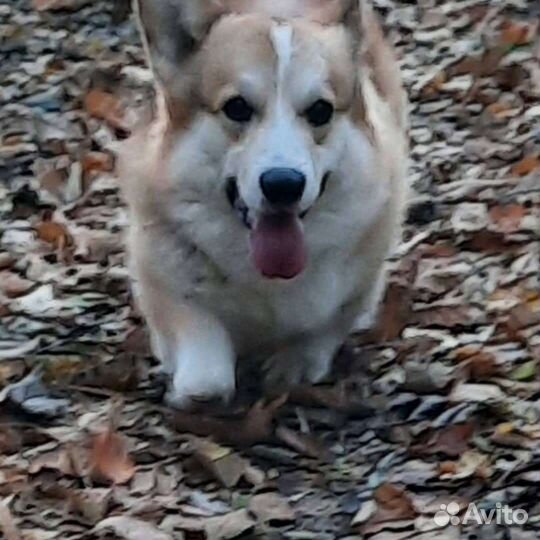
x=277, y=244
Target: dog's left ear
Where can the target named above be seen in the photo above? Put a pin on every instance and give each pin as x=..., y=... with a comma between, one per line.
x=173, y=30
x=374, y=56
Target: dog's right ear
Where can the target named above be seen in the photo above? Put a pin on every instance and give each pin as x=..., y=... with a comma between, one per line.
x=172, y=31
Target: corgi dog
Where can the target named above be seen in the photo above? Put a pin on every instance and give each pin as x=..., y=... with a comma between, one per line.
x=268, y=189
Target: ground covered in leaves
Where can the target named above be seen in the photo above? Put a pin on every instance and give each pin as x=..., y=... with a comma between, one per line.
x=437, y=405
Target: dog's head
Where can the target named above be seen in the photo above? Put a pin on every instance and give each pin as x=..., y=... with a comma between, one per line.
x=258, y=95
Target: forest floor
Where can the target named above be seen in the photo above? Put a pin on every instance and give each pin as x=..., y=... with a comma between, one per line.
x=435, y=409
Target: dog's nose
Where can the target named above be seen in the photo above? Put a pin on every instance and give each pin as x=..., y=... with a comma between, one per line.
x=283, y=187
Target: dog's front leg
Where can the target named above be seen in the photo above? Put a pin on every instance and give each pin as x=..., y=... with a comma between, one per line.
x=195, y=350
x=308, y=360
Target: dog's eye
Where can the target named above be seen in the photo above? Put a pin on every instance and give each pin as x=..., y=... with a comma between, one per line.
x=238, y=109
x=320, y=113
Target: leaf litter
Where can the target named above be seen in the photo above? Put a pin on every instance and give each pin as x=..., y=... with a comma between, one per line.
x=438, y=403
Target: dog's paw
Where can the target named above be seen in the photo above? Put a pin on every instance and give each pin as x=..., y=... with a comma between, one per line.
x=295, y=366
x=196, y=385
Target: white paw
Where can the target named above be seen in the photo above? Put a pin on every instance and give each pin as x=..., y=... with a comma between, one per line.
x=201, y=365
x=195, y=384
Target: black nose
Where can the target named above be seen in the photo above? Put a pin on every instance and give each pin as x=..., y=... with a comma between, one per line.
x=283, y=187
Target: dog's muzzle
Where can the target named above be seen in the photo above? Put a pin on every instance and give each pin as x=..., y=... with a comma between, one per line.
x=233, y=196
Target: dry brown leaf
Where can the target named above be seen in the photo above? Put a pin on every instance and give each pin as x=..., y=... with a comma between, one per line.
x=515, y=34
x=393, y=504
x=56, y=5
x=14, y=286
x=57, y=460
x=434, y=87
x=498, y=110
x=480, y=66
x=109, y=458
x=11, y=441
x=527, y=165
x=520, y=318
x=105, y=106
x=444, y=316
x=307, y=445
x=255, y=427
x=130, y=528
x=341, y=397
x=447, y=467
x=54, y=234
x=97, y=162
x=6, y=261
x=92, y=504
x=508, y=217
x=452, y=441
x=482, y=366
x=8, y=525
x=229, y=526
x=222, y=463
x=271, y=508
x=395, y=313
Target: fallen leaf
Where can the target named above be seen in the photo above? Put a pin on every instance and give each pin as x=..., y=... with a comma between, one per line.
x=19, y=350
x=54, y=234
x=54, y=182
x=525, y=372
x=508, y=218
x=97, y=162
x=498, y=110
x=12, y=285
x=109, y=458
x=91, y=503
x=393, y=504
x=341, y=397
x=509, y=436
x=224, y=465
x=105, y=106
x=486, y=242
x=395, y=313
x=131, y=528
x=54, y=5
x=452, y=441
x=526, y=166
x=482, y=366
x=271, y=508
x=255, y=427
x=56, y=460
x=6, y=261
x=7, y=524
x=477, y=393
x=229, y=526
x=10, y=441
x=516, y=34
x=32, y=397
x=307, y=445
x=367, y=510
x=479, y=66
x=470, y=463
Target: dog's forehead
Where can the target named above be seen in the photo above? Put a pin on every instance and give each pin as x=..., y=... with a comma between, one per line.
x=321, y=11
x=270, y=51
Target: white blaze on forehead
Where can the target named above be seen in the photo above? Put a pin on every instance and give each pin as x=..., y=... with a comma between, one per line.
x=282, y=39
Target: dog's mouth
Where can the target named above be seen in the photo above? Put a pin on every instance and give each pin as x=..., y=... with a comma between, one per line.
x=277, y=236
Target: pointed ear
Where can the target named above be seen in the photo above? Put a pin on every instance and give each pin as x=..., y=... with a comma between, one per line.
x=172, y=31
x=375, y=57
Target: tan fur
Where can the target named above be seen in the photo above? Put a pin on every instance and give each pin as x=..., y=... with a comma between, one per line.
x=204, y=302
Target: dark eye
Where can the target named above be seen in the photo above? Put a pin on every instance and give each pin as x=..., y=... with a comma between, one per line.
x=238, y=109
x=320, y=113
